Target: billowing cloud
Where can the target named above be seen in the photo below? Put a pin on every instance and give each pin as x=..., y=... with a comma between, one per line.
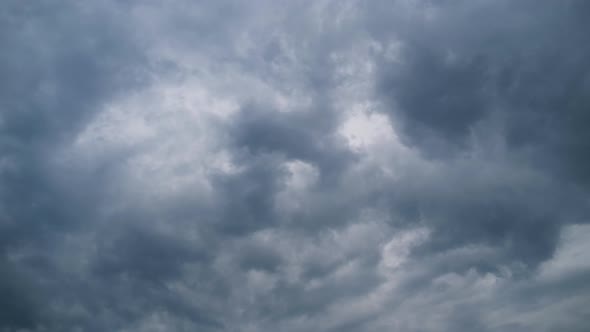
x=294, y=166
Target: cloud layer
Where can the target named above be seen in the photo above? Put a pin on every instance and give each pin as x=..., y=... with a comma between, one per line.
x=294, y=166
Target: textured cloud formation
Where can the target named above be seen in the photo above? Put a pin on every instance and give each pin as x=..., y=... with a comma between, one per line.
x=294, y=165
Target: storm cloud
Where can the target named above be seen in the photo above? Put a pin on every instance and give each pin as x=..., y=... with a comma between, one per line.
x=414, y=166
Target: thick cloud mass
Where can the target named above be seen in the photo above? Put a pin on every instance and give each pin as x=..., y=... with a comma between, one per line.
x=414, y=166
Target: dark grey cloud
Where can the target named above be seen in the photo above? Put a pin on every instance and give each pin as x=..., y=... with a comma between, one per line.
x=52, y=83
x=468, y=83
x=462, y=68
x=294, y=166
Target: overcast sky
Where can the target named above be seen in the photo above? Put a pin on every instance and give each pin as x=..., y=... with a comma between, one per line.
x=295, y=166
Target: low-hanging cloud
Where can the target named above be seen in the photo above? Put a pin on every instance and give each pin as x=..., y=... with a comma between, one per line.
x=294, y=166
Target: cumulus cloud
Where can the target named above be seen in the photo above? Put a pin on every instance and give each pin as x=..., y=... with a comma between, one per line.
x=294, y=166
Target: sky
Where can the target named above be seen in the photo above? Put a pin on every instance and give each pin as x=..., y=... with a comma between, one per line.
x=274, y=165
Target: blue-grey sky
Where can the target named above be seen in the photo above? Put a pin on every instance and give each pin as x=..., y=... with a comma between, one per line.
x=295, y=166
